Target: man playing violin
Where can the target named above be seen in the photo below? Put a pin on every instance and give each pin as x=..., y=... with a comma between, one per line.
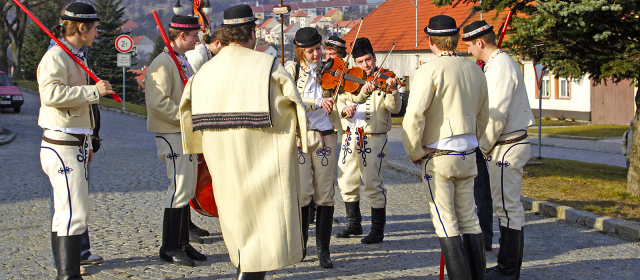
x=364, y=148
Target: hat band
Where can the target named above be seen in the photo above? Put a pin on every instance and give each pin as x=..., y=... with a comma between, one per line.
x=474, y=32
x=72, y=14
x=441, y=30
x=239, y=20
x=336, y=43
x=182, y=25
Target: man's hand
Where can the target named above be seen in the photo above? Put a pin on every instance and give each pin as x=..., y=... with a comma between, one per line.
x=349, y=111
x=368, y=88
x=327, y=104
x=418, y=162
x=90, y=156
x=104, y=87
x=392, y=83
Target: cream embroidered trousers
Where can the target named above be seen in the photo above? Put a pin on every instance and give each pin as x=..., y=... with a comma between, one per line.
x=366, y=163
x=66, y=167
x=505, y=173
x=448, y=182
x=182, y=169
x=318, y=169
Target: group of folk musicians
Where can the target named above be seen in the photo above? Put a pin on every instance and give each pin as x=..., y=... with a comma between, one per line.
x=269, y=133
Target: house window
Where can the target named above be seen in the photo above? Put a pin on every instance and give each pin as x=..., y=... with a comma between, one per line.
x=546, y=85
x=565, y=88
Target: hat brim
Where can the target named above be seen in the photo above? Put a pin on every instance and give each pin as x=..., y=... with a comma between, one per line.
x=477, y=35
x=185, y=28
x=426, y=30
x=79, y=19
x=310, y=44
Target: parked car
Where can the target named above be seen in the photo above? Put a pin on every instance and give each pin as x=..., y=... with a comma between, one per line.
x=10, y=96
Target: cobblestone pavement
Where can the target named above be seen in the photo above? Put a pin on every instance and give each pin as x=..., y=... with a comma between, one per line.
x=128, y=186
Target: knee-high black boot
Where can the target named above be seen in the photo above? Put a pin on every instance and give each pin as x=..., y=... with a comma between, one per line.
x=193, y=235
x=521, y=252
x=304, y=212
x=378, y=221
x=323, y=235
x=508, y=255
x=170, y=250
x=312, y=211
x=68, y=254
x=191, y=252
x=354, y=220
x=474, y=248
x=455, y=258
x=250, y=275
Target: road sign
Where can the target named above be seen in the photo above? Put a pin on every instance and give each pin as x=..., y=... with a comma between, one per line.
x=124, y=60
x=124, y=43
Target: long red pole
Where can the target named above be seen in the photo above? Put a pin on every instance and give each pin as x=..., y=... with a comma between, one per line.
x=46, y=30
x=504, y=28
x=441, y=266
x=166, y=42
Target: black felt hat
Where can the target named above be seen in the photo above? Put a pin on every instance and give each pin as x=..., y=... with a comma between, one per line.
x=184, y=23
x=361, y=47
x=78, y=11
x=238, y=15
x=441, y=25
x=336, y=41
x=475, y=30
x=307, y=37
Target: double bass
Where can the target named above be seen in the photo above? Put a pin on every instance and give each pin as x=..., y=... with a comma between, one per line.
x=203, y=202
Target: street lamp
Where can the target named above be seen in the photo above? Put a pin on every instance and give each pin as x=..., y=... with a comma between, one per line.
x=177, y=8
x=207, y=7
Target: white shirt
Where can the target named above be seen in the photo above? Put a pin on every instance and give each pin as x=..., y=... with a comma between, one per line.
x=458, y=143
x=358, y=117
x=318, y=119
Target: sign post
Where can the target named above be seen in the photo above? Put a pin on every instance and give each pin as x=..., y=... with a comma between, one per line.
x=124, y=44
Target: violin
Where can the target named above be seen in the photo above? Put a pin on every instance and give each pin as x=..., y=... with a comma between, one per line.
x=354, y=78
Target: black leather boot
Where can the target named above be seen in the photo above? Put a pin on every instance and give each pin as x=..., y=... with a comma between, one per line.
x=251, y=275
x=193, y=235
x=474, y=248
x=378, y=221
x=191, y=252
x=197, y=230
x=455, y=258
x=312, y=211
x=521, y=252
x=508, y=255
x=170, y=250
x=68, y=262
x=54, y=248
x=354, y=220
x=304, y=212
x=323, y=235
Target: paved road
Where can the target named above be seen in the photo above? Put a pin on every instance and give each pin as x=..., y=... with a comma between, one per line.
x=127, y=191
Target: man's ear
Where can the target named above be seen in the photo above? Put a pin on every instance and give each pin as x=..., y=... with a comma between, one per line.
x=480, y=43
x=82, y=28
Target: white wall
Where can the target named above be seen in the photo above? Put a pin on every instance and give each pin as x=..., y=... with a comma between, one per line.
x=402, y=64
x=580, y=100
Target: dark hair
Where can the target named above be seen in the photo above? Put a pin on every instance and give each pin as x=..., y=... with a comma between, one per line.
x=174, y=34
x=489, y=38
x=216, y=36
x=70, y=28
x=236, y=33
x=340, y=50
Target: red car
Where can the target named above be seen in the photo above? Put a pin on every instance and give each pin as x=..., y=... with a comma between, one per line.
x=10, y=96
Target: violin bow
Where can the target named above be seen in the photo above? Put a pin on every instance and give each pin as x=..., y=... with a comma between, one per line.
x=89, y=72
x=385, y=59
x=335, y=93
x=203, y=19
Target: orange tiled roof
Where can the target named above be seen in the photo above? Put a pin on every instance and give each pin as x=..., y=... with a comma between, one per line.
x=137, y=39
x=341, y=3
x=394, y=22
x=130, y=25
x=257, y=9
x=300, y=14
x=306, y=5
x=264, y=25
x=317, y=19
x=140, y=76
x=324, y=4
x=331, y=12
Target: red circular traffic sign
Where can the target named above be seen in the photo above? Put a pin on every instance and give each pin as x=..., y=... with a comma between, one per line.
x=124, y=43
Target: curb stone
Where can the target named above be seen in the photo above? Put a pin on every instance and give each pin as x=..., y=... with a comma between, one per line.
x=7, y=136
x=626, y=229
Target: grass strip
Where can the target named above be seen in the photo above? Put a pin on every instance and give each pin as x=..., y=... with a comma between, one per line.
x=108, y=102
x=585, y=130
x=596, y=188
